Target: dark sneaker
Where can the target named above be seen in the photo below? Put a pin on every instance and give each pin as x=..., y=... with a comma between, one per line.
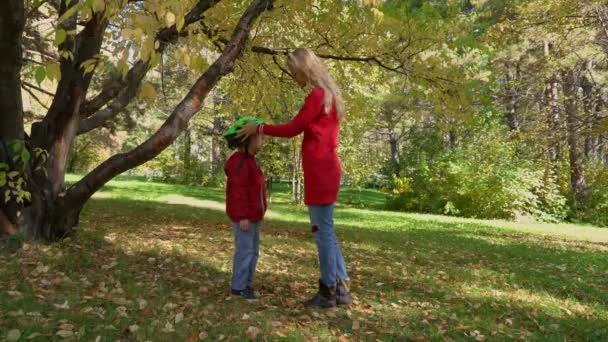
x=255, y=293
x=325, y=298
x=247, y=293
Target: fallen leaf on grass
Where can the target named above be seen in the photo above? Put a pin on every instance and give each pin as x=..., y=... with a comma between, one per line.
x=64, y=306
x=65, y=333
x=179, y=317
x=203, y=335
x=168, y=327
x=253, y=332
x=13, y=335
x=356, y=325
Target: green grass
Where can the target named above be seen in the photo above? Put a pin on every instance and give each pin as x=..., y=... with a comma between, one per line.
x=148, y=253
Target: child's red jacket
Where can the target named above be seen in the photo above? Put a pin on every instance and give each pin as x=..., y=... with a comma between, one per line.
x=245, y=188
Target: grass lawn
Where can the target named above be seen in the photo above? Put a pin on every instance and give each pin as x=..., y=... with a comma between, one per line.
x=152, y=262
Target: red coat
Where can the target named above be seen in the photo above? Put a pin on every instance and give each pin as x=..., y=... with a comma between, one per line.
x=245, y=188
x=322, y=171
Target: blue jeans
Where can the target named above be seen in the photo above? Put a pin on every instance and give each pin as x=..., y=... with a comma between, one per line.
x=246, y=253
x=331, y=260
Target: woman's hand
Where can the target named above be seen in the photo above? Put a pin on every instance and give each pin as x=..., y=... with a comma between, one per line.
x=247, y=131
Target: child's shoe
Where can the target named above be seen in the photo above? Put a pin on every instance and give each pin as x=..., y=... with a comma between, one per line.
x=247, y=293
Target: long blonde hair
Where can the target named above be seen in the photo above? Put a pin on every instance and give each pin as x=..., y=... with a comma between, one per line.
x=305, y=61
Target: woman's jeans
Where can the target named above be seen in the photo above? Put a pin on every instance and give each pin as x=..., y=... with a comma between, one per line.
x=331, y=261
x=246, y=253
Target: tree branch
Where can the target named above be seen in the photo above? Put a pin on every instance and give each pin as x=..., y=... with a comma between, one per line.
x=165, y=36
x=29, y=91
x=80, y=192
x=29, y=85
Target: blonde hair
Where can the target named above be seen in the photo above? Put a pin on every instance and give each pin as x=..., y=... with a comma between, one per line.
x=305, y=61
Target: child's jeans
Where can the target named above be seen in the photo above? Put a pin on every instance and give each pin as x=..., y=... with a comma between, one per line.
x=246, y=253
x=331, y=261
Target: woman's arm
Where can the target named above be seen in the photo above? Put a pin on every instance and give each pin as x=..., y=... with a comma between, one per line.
x=310, y=110
x=312, y=107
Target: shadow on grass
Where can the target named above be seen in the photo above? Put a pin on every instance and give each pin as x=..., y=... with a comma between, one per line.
x=454, y=267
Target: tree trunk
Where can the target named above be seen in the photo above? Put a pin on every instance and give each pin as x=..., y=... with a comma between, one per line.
x=296, y=178
x=53, y=212
x=12, y=21
x=187, y=150
x=394, y=151
x=553, y=135
x=511, y=98
x=577, y=175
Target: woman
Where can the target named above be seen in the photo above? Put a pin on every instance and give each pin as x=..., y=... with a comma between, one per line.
x=319, y=119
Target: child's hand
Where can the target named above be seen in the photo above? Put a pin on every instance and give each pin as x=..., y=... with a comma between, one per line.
x=244, y=225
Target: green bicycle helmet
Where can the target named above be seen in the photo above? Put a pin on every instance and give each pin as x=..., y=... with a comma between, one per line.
x=241, y=122
x=230, y=134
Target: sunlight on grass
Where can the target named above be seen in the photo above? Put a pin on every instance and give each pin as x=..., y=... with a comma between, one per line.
x=153, y=262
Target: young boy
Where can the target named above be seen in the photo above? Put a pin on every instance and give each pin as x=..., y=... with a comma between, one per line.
x=245, y=206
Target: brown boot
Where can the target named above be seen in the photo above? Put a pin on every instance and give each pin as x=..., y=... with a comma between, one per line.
x=325, y=298
x=343, y=296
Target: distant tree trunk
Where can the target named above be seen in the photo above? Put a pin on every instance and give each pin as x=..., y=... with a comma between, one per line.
x=553, y=133
x=187, y=152
x=394, y=152
x=269, y=182
x=512, y=97
x=592, y=106
x=577, y=175
x=296, y=183
x=453, y=138
x=601, y=143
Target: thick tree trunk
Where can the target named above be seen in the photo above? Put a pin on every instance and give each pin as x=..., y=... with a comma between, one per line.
x=12, y=21
x=577, y=175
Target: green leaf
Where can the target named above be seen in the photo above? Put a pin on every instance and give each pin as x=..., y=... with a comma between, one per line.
x=40, y=74
x=13, y=174
x=25, y=155
x=2, y=178
x=60, y=36
x=70, y=12
x=3, y=166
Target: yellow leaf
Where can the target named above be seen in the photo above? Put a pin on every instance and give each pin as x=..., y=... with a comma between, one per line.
x=53, y=71
x=181, y=21
x=148, y=92
x=98, y=5
x=169, y=19
x=127, y=33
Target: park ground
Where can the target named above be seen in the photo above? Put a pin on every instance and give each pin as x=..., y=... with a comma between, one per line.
x=152, y=261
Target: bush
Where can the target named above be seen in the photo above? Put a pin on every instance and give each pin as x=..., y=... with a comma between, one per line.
x=596, y=210
x=485, y=180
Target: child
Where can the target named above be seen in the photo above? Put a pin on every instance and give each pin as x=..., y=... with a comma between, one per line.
x=245, y=206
